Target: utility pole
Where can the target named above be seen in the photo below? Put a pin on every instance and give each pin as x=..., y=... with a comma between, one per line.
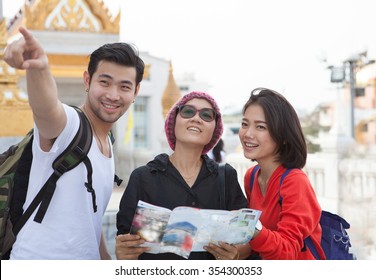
x=355, y=62
x=352, y=65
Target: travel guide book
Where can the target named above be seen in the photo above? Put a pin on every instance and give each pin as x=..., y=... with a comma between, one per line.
x=187, y=229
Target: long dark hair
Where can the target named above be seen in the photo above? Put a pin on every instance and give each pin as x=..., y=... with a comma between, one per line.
x=217, y=150
x=283, y=125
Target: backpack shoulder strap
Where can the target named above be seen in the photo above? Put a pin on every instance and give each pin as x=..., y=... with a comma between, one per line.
x=307, y=241
x=253, y=174
x=222, y=185
x=77, y=150
x=111, y=135
x=287, y=171
x=74, y=154
x=117, y=179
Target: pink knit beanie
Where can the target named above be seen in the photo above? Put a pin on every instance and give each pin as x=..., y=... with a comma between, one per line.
x=171, y=117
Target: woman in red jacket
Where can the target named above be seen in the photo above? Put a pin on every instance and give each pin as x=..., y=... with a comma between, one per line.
x=271, y=135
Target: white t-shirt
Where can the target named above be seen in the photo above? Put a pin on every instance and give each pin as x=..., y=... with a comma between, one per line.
x=70, y=229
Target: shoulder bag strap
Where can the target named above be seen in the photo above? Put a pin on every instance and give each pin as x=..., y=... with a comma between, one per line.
x=253, y=174
x=222, y=185
x=307, y=241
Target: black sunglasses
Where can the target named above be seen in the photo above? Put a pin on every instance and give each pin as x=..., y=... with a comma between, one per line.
x=189, y=111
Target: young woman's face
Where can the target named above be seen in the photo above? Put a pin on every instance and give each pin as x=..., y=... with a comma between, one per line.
x=194, y=131
x=255, y=137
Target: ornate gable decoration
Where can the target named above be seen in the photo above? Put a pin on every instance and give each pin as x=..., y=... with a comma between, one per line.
x=71, y=15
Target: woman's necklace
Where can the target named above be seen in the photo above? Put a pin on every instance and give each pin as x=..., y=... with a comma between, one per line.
x=189, y=177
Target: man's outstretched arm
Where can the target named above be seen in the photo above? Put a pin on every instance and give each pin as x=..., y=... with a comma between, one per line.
x=27, y=54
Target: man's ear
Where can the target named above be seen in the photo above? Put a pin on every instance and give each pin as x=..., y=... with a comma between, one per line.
x=86, y=77
x=136, y=91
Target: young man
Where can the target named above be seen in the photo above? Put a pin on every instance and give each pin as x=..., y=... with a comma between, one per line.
x=70, y=228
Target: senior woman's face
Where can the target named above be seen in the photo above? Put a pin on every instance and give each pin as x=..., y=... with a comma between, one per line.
x=194, y=125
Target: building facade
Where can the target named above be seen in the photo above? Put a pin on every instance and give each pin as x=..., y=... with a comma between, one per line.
x=69, y=31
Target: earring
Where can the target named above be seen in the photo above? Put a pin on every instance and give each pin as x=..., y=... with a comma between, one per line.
x=87, y=90
x=133, y=100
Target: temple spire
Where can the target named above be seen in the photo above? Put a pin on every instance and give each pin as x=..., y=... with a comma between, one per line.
x=171, y=93
x=14, y=105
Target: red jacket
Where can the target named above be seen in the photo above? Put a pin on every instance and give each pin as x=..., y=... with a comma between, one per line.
x=285, y=227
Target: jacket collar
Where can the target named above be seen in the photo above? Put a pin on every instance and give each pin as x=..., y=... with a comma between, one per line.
x=161, y=161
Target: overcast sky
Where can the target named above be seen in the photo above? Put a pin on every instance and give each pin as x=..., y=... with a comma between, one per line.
x=237, y=45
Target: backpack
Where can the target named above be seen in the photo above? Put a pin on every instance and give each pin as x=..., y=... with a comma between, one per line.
x=15, y=164
x=335, y=240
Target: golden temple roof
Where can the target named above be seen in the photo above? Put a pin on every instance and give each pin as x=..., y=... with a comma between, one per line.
x=65, y=15
x=171, y=93
x=15, y=113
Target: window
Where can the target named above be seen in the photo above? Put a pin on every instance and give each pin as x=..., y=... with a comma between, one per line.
x=141, y=122
x=359, y=91
x=365, y=128
x=184, y=88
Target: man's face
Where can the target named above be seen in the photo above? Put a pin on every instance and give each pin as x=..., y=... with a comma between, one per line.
x=112, y=89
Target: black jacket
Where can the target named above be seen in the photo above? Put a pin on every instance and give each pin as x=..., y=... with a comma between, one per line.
x=160, y=183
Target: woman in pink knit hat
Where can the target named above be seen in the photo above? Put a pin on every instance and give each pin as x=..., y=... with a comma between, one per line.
x=186, y=177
